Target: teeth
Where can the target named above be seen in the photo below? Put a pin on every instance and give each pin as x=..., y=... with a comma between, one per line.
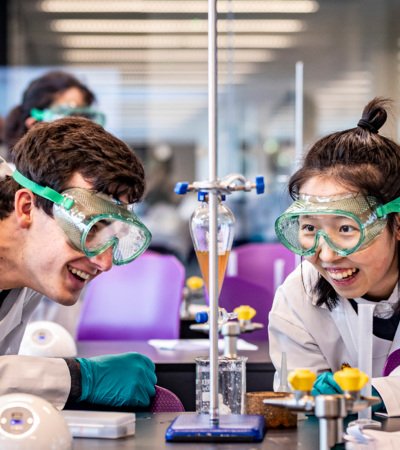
x=343, y=274
x=80, y=273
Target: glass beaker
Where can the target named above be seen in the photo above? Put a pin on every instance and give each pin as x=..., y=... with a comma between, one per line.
x=231, y=385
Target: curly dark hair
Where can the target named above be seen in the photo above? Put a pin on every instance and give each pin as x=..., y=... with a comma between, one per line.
x=51, y=153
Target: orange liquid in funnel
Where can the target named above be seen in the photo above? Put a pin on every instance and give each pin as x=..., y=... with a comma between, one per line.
x=202, y=258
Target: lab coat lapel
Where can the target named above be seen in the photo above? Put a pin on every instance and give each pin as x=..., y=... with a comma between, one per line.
x=396, y=341
x=345, y=319
x=395, y=298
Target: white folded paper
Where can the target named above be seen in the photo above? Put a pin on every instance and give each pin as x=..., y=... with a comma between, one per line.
x=196, y=344
x=368, y=439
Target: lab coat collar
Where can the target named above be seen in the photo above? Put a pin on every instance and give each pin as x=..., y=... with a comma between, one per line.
x=346, y=320
x=383, y=308
x=10, y=313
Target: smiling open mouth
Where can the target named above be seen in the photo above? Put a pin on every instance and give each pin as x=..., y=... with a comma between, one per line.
x=78, y=274
x=343, y=274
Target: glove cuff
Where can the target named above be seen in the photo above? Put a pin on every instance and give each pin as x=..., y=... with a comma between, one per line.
x=86, y=378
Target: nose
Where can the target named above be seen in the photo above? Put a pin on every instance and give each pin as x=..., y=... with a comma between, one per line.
x=325, y=252
x=104, y=260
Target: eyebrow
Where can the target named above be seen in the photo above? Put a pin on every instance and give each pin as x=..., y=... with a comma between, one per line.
x=335, y=217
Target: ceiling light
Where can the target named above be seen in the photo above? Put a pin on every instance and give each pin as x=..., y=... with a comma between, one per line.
x=175, y=26
x=180, y=69
x=175, y=41
x=188, y=56
x=177, y=6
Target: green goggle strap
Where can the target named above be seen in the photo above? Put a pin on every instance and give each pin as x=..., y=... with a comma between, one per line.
x=37, y=114
x=391, y=207
x=45, y=192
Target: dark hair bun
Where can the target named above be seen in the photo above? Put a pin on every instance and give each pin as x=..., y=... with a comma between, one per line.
x=374, y=115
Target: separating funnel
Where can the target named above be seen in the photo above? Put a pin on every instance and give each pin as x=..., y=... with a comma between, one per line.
x=199, y=230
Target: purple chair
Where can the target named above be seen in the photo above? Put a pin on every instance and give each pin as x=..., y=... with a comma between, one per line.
x=237, y=291
x=266, y=264
x=391, y=363
x=165, y=401
x=136, y=301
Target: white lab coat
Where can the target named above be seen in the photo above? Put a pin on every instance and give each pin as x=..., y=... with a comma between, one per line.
x=46, y=377
x=318, y=339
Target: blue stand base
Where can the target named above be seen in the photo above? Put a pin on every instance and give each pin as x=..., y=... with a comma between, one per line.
x=231, y=428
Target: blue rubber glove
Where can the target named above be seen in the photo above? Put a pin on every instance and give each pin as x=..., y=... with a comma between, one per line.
x=127, y=379
x=325, y=384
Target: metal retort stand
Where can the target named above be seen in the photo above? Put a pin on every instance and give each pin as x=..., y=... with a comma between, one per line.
x=212, y=427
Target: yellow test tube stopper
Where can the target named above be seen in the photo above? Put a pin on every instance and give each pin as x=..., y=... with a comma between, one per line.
x=351, y=379
x=245, y=312
x=302, y=379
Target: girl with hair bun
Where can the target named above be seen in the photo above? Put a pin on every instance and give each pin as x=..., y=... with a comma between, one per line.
x=345, y=224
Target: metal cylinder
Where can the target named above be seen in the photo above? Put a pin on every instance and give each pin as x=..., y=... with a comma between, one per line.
x=327, y=433
x=330, y=410
x=230, y=331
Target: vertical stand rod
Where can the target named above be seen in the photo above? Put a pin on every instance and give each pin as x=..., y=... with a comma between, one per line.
x=298, y=121
x=299, y=113
x=213, y=200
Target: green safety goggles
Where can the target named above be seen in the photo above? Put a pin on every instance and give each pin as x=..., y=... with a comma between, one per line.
x=59, y=111
x=347, y=223
x=93, y=223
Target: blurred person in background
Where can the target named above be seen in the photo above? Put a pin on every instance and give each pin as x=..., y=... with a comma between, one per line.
x=161, y=209
x=53, y=95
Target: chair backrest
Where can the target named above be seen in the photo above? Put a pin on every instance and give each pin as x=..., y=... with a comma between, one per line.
x=165, y=401
x=391, y=363
x=237, y=291
x=266, y=264
x=136, y=301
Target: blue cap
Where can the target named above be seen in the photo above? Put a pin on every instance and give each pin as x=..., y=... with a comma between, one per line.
x=201, y=317
x=181, y=188
x=202, y=196
x=260, y=185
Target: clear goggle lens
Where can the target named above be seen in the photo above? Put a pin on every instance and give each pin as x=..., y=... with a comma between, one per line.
x=127, y=239
x=94, y=224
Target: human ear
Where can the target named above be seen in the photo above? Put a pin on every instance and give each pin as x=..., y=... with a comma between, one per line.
x=24, y=204
x=29, y=122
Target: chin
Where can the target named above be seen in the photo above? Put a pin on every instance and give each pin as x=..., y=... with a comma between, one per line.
x=66, y=299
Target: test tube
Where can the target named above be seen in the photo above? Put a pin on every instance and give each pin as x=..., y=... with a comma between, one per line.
x=283, y=382
x=365, y=320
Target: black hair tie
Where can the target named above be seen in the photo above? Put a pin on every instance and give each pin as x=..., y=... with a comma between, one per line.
x=367, y=126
